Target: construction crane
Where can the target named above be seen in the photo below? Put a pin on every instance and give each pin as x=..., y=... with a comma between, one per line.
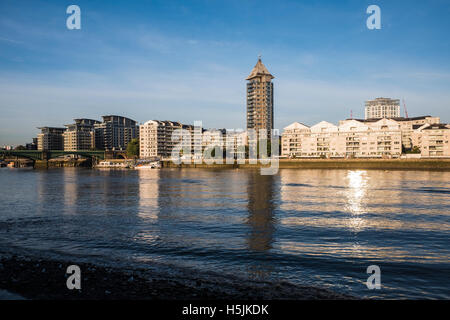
x=404, y=107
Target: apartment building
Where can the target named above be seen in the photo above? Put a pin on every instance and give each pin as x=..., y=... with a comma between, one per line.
x=50, y=138
x=115, y=132
x=158, y=138
x=80, y=135
x=236, y=141
x=407, y=125
x=382, y=108
x=233, y=141
x=432, y=140
x=213, y=139
x=260, y=99
x=352, y=138
x=293, y=138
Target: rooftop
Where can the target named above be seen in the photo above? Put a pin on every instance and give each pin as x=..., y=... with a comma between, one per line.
x=259, y=70
x=394, y=118
x=437, y=126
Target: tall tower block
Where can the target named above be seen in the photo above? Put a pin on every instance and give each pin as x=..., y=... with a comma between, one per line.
x=260, y=99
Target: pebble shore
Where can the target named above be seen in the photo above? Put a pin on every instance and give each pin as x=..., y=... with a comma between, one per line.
x=34, y=278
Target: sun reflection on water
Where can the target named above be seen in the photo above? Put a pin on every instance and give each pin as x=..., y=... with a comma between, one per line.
x=356, y=194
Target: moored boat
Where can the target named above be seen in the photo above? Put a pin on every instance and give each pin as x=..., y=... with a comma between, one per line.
x=148, y=165
x=114, y=164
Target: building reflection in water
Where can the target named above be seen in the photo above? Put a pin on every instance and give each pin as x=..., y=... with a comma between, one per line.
x=70, y=188
x=145, y=230
x=148, y=194
x=53, y=191
x=261, y=192
x=260, y=212
x=86, y=208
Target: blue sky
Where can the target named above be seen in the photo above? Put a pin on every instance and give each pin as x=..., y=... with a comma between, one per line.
x=187, y=60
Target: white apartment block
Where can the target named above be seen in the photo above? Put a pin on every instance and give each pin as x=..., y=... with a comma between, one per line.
x=236, y=141
x=80, y=135
x=353, y=138
x=233, y=141
x=158, y=138
x=155, y=138
x=78, y=140
x=50, y=138
x=432, y=140
x=407, y=125
x=382, y=108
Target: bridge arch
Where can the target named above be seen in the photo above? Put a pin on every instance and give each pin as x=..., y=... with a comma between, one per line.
x=28, y=154
x=51, y=154
x=84, y=153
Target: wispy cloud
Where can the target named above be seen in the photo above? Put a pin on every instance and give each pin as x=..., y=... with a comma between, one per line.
x=417, y=75
x=11, y=40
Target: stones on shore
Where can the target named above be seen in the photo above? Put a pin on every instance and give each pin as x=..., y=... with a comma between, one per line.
x=6, y=295
x=46, y=279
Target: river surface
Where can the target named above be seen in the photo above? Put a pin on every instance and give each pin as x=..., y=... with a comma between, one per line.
x=313, y=227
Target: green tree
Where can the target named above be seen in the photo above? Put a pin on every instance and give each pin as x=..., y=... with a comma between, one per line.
x=20, y=148
x=133, y=148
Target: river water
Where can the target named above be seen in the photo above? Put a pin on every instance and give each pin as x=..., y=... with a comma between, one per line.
x=314, y=227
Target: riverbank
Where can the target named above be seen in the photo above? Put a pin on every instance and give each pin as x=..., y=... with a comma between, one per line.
x=34, y=278
x=352, y=164
x=55, y=163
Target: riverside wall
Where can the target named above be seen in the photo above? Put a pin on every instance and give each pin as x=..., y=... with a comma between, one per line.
x=363, y=164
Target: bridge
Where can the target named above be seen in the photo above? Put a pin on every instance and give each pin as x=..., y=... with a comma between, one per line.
x=51, y=154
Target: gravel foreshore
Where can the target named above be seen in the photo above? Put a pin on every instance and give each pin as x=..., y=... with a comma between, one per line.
x=34, y=278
